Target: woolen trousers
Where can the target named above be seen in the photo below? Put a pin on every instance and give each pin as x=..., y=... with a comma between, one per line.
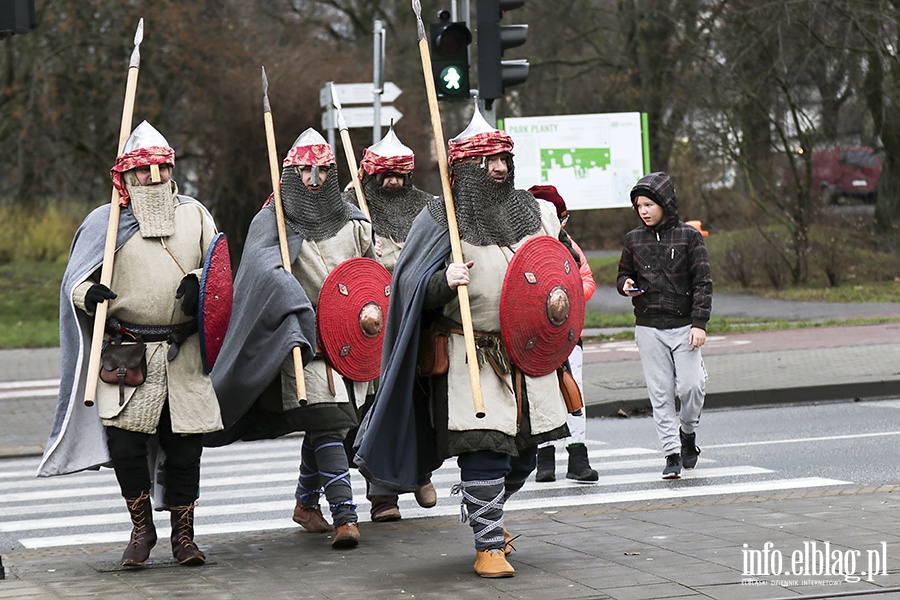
x=672, y=369
x=129, y=454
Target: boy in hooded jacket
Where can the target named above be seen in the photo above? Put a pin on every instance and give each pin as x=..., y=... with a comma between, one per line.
x=664, y=269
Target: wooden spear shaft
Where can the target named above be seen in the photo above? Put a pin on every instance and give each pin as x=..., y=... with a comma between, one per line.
x=455, y=245
x=112, y=226
x=279, y=219
x=348, y=151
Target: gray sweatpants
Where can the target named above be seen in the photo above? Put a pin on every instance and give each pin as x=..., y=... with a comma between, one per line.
x=672, y=369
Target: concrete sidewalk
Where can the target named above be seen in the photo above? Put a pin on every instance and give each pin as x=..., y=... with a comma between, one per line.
x=684, y=548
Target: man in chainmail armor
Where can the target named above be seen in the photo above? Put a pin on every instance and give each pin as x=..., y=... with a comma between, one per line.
x=495, y=453
x=254, y=373
x=153, y=299
x=386, y=172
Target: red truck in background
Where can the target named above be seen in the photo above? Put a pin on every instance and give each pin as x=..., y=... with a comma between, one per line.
x=846, y=172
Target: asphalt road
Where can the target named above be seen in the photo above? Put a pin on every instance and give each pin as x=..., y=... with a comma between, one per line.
x=849, y=441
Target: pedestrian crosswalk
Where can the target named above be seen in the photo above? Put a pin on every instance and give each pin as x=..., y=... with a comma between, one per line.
x=249, y=487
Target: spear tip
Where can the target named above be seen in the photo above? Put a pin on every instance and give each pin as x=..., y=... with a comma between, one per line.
x=334, y=96
x=265, y=81
x=139, y=34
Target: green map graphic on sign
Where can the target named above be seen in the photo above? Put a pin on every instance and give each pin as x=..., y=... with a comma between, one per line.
x=580, y=160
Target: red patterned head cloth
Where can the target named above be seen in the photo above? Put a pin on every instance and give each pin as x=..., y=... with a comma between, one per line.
x=145, y=146
x=479, y=139
x=309, y=149
x=388, y=155
x=550, y=194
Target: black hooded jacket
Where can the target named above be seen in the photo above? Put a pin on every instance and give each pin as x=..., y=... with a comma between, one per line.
x=669, y=261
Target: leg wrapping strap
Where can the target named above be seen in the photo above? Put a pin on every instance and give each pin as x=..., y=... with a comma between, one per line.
x=484, y=501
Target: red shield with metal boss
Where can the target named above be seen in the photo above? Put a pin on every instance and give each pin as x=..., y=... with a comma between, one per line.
x=216, y=295
x=541, y=306
x=350, y=318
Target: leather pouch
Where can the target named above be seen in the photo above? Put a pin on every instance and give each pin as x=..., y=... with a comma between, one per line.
x=123, y=363
x=434, y=353
x=569, y=390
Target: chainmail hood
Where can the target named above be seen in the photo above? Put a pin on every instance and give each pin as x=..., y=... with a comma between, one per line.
x=153, y=206
x=315, y=215
x=392, y=211
x=488, y=213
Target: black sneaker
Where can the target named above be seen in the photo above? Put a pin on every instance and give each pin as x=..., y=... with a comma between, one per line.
x=690, y=452
x=673, y=466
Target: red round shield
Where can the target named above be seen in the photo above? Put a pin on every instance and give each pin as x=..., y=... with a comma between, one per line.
x=350, y=317
x=216, y=295
x=541, y=306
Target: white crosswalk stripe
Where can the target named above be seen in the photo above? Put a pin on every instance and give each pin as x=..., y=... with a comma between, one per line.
x=250, y=487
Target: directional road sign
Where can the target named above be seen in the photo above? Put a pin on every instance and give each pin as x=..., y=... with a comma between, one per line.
x=360, y=116
x=357, y=93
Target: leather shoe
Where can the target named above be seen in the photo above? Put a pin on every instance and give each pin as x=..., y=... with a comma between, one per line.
x=310, y=517
x=426, y=495
x=493, y=563
x=384, y=509
x=346, y=536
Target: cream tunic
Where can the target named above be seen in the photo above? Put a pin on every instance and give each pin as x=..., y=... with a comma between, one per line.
x=145, y=280
x=312, y=266
x=390, y=252
x=546, y=409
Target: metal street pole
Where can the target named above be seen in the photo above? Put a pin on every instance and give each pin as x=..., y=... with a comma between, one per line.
x=377, y=77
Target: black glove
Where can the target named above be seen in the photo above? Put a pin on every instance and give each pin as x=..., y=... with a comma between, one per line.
x=96, y=294
x=189, y=294
x=564, y=238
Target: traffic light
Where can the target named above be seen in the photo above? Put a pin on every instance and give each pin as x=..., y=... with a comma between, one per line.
x=494, y=73
x=16, y=16
x=450, y=57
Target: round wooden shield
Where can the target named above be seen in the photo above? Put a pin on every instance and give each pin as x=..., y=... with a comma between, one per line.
x=216, y=295
x=541, y=306
x=350, y=317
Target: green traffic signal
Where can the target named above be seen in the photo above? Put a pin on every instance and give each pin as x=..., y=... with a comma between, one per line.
x=451, y=78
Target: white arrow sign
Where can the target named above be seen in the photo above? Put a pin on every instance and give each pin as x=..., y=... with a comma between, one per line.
x=357, y=93
x=360, y=116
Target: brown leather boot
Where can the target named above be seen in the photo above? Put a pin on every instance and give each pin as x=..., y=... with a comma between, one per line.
x=143, y=533
x=310, y=517
x=184, y=549
x=426, y=495
x=345, y=536
x=384, y=509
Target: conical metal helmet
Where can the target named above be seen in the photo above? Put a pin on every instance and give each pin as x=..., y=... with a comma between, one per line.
x=477, y=125
x=390, y=145
x=310, y=137
x=310, y=149
x=144, y=135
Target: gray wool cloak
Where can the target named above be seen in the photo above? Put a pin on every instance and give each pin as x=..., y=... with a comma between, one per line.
x=396, y=441
x=270, y=316
x=77, y=440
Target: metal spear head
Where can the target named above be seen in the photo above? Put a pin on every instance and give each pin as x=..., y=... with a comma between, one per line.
x=342, y=123
x=265, y=86
x=138, y=38
x=417, y=8
x=334, y=96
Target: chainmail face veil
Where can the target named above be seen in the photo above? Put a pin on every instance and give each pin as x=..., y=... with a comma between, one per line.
x=153, y=206
x=488, y=213
x=315, y=215
x=392, y=211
